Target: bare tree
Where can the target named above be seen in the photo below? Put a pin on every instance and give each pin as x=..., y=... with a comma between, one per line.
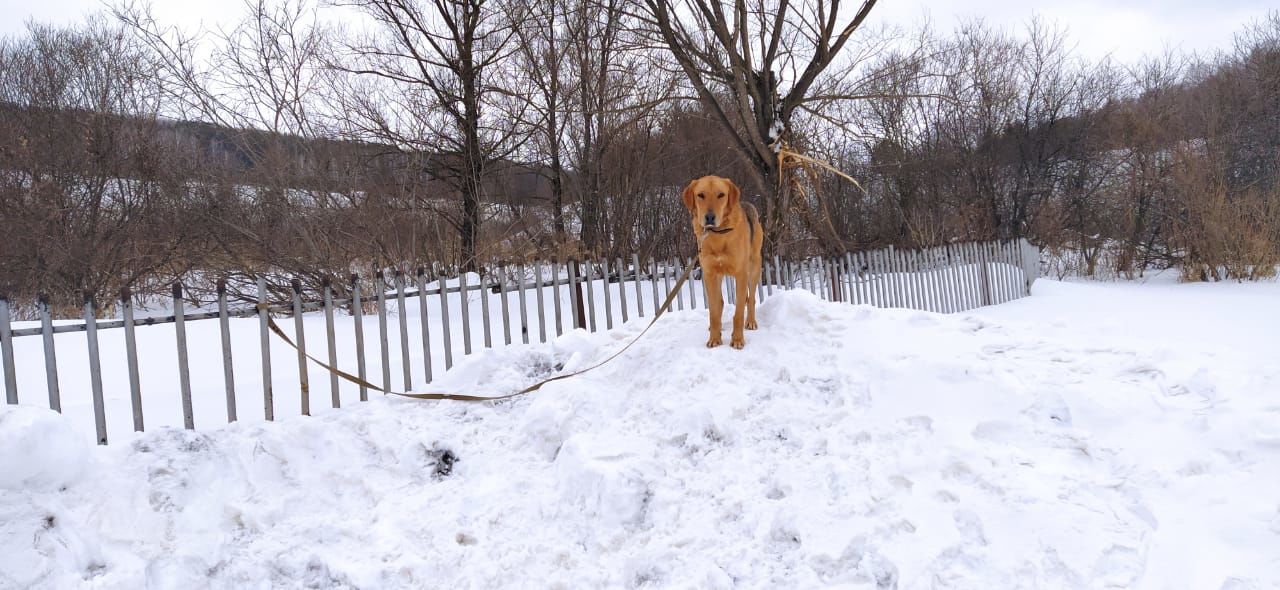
x=755, y=64
x=442, y=55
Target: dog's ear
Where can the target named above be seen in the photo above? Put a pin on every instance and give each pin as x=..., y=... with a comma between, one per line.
x=688, y=197
x=734, y=194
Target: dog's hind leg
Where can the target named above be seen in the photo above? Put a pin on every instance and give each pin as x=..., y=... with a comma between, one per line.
x=753, y=289
x=743, y=299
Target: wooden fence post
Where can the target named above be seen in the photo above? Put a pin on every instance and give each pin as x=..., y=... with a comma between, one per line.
x=51, y=353
x=357, y=315
x=228, y=370
x=95, y=366
x=6, y=352
x=264, y=333
x=331, y=342
x=184, y=369
x=405, y=368
x=424, y=326
x=300, y=338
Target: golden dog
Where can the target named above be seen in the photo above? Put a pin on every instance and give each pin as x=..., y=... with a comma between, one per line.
x=730, y=238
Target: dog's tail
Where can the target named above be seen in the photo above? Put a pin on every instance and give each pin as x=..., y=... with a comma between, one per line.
x=753, y=219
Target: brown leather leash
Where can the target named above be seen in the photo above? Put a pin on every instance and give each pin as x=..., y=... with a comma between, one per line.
x=462, y=397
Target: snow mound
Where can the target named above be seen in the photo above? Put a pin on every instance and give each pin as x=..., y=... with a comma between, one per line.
x=41, y=452
x=845, y=446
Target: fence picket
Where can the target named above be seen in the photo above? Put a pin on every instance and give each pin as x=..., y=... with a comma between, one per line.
x=579, y=321
x=424, y=325
x=483, y=290
x=589, y=278
x=446, y=334
x=51, y=355
x=1011, y=258
x=383, y=339
x=184, y=369
x=331, y=341
x=555, y=292
x=131, y=357
x=653, y=283
x=635, y=264
x=264, y=335
x=228, y=367
x=6, y=352
x=608, y=299
x=464, y=302
x=95, y=364
x=299, y=336
x=403, y=320
x=693, y=293
x=357, y=316
x=524, y=307
x=538, y=297
x=506, y=308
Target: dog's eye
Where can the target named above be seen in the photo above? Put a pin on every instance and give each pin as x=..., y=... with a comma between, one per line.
x=720, y=196
x=701, y=196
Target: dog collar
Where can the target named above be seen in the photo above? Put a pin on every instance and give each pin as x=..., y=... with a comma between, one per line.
x=718, y=230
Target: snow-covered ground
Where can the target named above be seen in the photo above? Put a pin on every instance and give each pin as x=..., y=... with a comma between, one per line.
x=1090, y=436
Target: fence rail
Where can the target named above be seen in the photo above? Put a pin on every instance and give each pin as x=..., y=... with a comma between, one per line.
x=945, y=279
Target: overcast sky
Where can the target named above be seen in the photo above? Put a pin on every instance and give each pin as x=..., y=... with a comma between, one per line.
x=1126, y=29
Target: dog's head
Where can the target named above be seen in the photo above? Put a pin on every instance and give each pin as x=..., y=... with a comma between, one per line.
x=710, y=199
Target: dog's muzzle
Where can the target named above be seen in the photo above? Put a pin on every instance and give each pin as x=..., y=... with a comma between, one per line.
x=709, y=220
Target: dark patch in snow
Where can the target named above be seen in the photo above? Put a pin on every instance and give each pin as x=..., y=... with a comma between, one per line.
x=444, y=460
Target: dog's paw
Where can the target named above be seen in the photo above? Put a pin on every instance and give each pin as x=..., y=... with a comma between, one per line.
x=714, y=341
x=738, y=341
x=751, y=324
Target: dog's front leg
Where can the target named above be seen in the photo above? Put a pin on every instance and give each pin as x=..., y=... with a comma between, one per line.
x=740, y=289
x=715, y=306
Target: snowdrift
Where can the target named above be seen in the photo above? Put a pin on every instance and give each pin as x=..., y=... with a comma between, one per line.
x=845, y=446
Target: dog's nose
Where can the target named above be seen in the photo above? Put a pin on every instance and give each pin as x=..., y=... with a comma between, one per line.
x=709, y=219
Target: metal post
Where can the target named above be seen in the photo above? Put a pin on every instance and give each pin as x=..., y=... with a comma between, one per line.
x=50, y=354
x=228, y=371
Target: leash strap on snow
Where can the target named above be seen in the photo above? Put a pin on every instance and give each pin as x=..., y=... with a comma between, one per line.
x=462, y=397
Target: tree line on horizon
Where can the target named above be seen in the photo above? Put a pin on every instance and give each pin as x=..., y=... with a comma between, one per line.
x=456, y=134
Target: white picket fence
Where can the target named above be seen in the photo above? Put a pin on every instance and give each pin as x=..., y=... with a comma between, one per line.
x=516, y=304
